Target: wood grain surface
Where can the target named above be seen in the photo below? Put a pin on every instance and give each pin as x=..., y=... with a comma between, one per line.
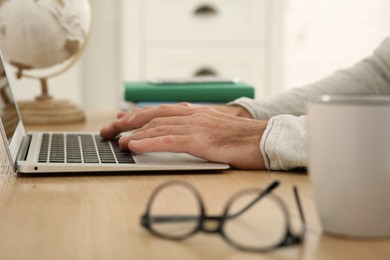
x=97, y=216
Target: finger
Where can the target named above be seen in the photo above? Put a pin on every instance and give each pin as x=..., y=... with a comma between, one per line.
x=158, y=131
x=144, y=116
x=131, y=112
x=120, y=114
x=157, y=127
x=115, y=128
x=166, y=121
x=170, y=143
x=123, y=142
x=140, y=116
x=159, y=116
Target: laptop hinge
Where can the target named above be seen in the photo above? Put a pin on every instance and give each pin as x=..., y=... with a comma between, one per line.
x=23, y=151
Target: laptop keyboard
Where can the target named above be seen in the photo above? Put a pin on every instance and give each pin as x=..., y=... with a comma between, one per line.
x=81, y=148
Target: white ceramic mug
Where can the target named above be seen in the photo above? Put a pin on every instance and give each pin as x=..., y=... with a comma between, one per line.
x=349, y=163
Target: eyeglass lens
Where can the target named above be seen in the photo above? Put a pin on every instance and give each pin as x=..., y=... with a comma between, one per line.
x=179, y=204
x=263, y=225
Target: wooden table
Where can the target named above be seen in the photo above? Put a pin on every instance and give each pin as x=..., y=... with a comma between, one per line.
x=97, y=216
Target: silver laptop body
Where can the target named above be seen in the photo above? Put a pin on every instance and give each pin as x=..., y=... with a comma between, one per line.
x=25, y=149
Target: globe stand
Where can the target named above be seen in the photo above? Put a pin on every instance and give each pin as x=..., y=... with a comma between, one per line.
x=47, y=110
x=47, y=47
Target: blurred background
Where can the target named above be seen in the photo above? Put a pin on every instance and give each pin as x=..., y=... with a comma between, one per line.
x=273, y=44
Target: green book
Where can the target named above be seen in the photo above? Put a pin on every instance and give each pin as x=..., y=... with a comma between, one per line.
x=191, y=92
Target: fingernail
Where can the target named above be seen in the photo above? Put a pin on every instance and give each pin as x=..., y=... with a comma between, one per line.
x=185, y=104
x=107, y=128
x=134, y=142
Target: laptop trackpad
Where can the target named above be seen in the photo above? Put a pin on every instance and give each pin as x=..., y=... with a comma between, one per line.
x=167, y=158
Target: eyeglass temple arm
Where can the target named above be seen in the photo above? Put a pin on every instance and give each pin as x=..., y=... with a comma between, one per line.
x=299, y=205
x=267, y=190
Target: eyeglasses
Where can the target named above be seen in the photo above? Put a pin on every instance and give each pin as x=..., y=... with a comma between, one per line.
x=253, y=220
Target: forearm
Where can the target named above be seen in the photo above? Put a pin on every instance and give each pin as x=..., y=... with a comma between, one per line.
x=370, y=76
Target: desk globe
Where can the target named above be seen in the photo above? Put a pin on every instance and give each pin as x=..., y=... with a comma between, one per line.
x=42, y=39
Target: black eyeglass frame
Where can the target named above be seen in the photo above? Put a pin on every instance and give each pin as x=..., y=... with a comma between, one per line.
x=289, y=238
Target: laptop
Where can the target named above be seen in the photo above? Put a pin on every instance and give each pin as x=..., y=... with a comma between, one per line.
x=77, y=152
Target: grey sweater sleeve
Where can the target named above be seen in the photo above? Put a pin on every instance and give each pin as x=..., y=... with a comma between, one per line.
x=283, y=144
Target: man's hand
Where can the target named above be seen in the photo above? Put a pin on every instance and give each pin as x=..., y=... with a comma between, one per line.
x=198, y=130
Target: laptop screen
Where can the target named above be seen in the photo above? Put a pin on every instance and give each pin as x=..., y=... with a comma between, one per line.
x=8, y=111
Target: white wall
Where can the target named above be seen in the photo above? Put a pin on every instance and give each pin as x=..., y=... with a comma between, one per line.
x=96, y=81
x=319, y=37
x=325, y=35
x=101, y=64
